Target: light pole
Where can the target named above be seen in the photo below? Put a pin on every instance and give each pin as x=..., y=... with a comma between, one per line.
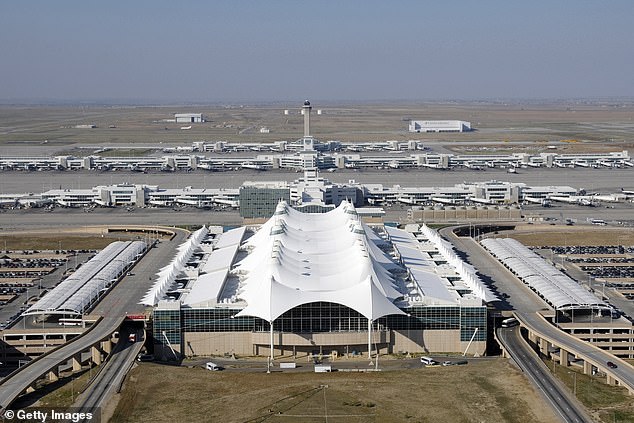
x=26, y=303
x=574, y=383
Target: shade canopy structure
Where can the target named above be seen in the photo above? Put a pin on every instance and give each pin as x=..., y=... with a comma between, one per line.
x=299, y=258
x=79, y=292
x=556, y=288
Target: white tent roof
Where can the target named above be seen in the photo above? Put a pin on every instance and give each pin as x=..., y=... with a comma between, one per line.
x=555, y=287
x=299, y=258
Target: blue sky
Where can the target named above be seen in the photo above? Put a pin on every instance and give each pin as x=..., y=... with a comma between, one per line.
x=253, y=51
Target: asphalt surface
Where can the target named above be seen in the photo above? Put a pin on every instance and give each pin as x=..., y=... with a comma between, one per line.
x=514, y=294
x=520, y=299
x=11, y=220
x=568, y=408
x=580, y=349
x=111, y=374
x=356, y=364
x=599, y=180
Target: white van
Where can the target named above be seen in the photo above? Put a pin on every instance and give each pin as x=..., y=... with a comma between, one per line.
x=212, y=366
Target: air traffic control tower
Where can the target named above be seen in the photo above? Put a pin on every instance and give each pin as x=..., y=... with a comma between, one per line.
x=306, y=112
x=307, y=140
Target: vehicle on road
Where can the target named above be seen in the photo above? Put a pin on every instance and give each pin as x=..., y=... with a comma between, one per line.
x=132, y=337
x=70, y=322
x=611, y=365
x=510, y=322
x=145, y=357
x=213, y=366
x=428, y=361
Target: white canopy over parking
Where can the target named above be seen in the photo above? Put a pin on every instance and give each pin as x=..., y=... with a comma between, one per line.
x=79, y=292
x=556, y=288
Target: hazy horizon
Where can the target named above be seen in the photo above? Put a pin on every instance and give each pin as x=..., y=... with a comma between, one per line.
x=195, y=52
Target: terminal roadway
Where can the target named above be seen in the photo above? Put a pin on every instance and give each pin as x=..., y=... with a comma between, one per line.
x=624, y=372
x=18, y=382
x=525, y=305
x=568, y=408
x=110, y=378
x=123, y=299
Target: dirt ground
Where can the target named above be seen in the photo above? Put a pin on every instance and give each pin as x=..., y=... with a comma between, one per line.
x=607, y=125
x=489, y=390
x=540, y=235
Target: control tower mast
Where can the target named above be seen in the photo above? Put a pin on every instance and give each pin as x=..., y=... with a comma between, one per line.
x=306, y=108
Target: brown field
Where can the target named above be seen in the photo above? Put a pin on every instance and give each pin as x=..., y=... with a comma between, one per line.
x=491, y=390
x=87, y=238
x=540, y=235
x=604, y=402
x=603, y=125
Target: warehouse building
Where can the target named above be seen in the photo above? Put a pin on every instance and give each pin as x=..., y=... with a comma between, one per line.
x=439, y=126
x=189, y=118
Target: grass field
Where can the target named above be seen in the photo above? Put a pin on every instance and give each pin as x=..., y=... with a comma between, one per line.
x=606, y=403
x=486, y=391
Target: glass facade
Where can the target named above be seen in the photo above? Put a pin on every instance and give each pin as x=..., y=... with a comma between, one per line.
x=216, y=320
x=470, y=319
x=261, y=202
x=320, y=317
x=167, y=322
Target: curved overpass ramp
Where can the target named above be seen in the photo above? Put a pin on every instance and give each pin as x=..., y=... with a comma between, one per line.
x=544, y=335
x=533, y=367
x=122, y=299
x=20, y=381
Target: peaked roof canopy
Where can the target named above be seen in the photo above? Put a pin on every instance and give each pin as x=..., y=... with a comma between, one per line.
x=298, y=258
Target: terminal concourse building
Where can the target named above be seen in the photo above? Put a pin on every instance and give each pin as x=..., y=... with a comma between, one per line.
x=318, y=283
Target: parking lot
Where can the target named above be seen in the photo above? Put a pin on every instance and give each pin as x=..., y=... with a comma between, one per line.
x=27, y=275
x=607, y=270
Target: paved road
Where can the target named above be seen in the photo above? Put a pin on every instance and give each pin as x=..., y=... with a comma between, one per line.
x=123, y=299
x=525, y=303
x=568, y=408
x=13, y=386
x=520, y=297
x=581, y=349
x=110, y=377
x=77, y=218
x=591, y=179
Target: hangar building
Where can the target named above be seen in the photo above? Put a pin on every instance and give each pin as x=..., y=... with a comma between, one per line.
x=439, y=126
x=189, y=117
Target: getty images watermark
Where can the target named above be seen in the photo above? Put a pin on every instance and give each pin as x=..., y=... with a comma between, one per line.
x=53, y=415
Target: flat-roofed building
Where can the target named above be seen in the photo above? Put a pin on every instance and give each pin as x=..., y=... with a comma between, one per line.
x=189, y=117
x=439, y=126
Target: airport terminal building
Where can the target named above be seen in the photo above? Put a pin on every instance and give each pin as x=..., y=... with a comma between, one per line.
x=318, y=283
